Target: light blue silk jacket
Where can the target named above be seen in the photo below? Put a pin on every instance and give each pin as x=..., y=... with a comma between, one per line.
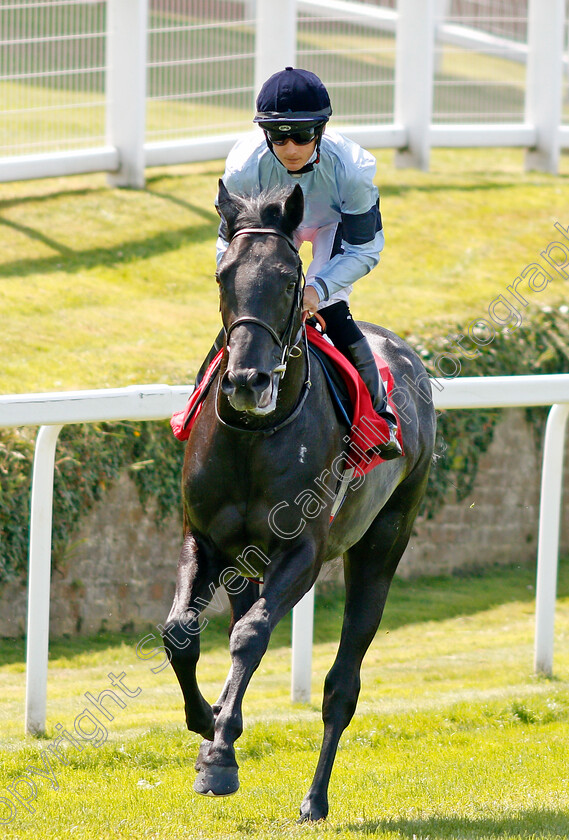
x=341, y=215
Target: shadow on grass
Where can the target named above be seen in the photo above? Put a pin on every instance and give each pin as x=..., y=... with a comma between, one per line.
x=70, y=260
x=206, y=214
x=444, y=186
x=526, y=824
x=409, y=602
x=16, y=201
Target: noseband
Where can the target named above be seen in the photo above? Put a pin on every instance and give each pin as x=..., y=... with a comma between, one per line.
x=283, y=342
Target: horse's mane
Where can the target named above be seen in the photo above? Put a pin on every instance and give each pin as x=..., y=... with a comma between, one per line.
x=265, y=209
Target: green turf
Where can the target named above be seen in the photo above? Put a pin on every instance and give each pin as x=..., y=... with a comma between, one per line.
x=104, y=288
x=453, y=738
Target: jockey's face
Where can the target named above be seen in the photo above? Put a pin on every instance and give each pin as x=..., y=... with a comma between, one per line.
x=294, y=157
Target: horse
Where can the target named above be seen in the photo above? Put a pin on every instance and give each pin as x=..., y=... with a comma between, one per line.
x=267, y=432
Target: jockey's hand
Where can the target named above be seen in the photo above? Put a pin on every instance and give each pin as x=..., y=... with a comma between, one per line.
x=310, y=300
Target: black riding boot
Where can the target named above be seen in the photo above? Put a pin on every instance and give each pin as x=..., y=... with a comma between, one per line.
x=215, y=348
x=364, y=361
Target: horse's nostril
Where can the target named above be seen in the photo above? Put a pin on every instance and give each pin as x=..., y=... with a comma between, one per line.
x=229, y=383
x=244, y=380
x=258, y=381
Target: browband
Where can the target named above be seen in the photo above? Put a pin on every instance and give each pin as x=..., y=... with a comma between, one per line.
x=274, y=231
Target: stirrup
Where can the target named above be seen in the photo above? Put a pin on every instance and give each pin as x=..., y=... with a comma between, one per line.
x=391, y=448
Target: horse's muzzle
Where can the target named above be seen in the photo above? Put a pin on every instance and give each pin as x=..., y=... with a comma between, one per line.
x=248, y=390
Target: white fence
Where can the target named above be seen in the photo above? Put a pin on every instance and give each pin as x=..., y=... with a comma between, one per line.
x=153, y=402
x=119, y=85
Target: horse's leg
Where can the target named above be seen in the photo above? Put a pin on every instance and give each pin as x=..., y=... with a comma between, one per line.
x=240, y=603
x=285, y=583
x=180, y=634
x=369, y=567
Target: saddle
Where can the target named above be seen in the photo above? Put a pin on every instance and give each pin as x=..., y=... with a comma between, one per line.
x=351, y=399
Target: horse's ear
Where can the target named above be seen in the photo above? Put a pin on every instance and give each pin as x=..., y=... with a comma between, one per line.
x=228, y=206
x=293, y=210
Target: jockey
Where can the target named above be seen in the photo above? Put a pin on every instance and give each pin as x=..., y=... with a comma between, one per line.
x=341, y=218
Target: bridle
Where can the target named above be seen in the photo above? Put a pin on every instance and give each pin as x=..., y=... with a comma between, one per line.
x=284, y=342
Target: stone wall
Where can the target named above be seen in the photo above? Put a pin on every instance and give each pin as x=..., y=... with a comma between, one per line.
x=119, y=569
x=118, y=572
x=498, y=521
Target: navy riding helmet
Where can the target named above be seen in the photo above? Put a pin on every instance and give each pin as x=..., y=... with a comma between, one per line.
x=293, y=104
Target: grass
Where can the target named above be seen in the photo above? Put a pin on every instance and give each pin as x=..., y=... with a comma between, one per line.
x=454, y=738
x=104, y=288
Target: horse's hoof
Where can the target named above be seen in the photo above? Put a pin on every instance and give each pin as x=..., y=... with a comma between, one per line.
x=304, y=818
x=310, y=811
x=217, y=781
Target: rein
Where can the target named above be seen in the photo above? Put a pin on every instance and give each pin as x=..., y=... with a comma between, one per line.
x=283, y=342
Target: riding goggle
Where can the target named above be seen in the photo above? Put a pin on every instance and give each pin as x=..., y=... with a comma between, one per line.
x=299, y=138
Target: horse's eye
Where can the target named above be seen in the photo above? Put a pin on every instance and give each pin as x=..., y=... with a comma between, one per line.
x=291, y=286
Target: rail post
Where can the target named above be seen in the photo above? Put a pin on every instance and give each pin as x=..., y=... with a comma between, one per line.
x=39, y=579
x=302, y=635
x=275, y=38
x=544, y=73
x=548, y=542
x=127, y=33
x=414, y=62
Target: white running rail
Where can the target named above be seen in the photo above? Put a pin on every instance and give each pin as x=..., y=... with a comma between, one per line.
x=153, y=402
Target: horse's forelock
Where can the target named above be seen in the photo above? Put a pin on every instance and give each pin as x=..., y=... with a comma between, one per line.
x=263, y=210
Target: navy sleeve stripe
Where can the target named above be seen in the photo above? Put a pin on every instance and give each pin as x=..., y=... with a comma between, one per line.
x=361, y=228
x=337, y=245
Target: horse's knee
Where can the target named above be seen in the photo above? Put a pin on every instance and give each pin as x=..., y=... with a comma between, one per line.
x=180, y=638
x=340, y=698
x=249, y=638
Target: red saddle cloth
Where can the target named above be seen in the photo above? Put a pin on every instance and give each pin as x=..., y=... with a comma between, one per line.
x=182, y=421
x=368, y=428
